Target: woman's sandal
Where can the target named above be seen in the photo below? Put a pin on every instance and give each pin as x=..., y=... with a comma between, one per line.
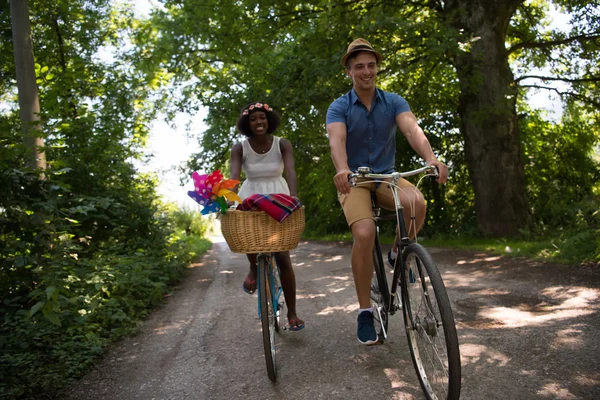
x=250, y=283
x=296, y=327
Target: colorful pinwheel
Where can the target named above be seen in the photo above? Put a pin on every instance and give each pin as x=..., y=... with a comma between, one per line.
x=213, y=192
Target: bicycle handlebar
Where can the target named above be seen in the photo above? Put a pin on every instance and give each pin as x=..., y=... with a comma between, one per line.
x=365, y=172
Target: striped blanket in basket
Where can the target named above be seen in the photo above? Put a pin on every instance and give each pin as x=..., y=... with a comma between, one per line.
x=278, y=205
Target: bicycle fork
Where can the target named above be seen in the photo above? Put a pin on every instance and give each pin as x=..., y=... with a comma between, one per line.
x=275, y=291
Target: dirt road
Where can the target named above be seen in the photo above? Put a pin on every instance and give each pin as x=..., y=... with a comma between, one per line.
x=527, y=331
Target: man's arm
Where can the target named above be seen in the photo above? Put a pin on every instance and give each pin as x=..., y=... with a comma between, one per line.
x=337, y=143
x=409, y=127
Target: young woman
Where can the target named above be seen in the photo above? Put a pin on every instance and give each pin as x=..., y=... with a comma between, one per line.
x=264, y=158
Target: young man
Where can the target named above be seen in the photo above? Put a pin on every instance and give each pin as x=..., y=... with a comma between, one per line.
x=362, y=127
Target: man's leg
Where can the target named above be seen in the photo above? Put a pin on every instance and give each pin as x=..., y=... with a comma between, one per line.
x=363, y=232
x=357, y=208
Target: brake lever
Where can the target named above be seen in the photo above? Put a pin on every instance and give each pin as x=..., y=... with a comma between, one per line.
x=352, y=179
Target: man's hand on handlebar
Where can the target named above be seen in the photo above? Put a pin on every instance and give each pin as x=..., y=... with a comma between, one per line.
x=442, y=170
x=341, y=181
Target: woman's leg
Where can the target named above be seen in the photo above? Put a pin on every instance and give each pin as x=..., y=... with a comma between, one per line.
x=250, y=282
x=288, y=283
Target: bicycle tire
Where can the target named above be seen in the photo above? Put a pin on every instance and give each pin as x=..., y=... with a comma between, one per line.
x=267, y=318
x=430, y=326
x=380, y=294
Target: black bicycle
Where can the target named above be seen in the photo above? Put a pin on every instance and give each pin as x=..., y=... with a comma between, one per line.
x=423, y=299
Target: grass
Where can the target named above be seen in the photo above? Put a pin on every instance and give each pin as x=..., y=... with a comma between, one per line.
x=197, y=246
x=535, y=249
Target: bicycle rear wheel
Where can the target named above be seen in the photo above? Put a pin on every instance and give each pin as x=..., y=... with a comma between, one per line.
x=267, y=316
x=430, y=326
x=380, y=292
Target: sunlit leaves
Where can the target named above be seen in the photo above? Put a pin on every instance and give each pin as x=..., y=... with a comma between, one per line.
x=226, y=53
x=93, y=213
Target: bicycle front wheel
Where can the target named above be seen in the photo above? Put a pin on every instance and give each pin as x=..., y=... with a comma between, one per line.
x=267, y=315
x=430, y=326
x=276, y=294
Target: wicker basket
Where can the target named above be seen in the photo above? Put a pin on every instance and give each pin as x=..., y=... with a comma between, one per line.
x=257, y=232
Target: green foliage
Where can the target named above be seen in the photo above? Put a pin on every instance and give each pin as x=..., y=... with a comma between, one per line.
x=287, y=54
x=577, y=245
x=67, y=292
x=192, y=222
x=561, y=171
x=563, y=176
x=195, y=246
x=579, y=241
x=86, y=253
x=291, y=61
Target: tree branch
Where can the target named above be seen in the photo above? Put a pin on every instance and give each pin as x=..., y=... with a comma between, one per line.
x=63, y=64
x=553, y=78
x=576, y=96
x=552, y=43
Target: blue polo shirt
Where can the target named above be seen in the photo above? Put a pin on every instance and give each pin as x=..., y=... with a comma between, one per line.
x=371, y=135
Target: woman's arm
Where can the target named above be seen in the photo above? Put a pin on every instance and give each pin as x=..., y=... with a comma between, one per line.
x=287, y=153
x=235, y=166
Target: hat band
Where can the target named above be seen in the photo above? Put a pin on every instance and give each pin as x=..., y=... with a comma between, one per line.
x=362, y=47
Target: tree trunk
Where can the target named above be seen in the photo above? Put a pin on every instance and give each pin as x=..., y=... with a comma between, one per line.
x=487, y=108
x=28, y=94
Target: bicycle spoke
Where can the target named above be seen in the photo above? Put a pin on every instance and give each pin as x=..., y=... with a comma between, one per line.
x=435, y=354
x=426, y=308
x=433, y=347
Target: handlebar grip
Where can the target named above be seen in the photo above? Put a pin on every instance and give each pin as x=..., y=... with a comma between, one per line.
x=352, y=179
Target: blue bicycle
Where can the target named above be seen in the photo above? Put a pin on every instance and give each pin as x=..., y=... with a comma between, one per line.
x=254, y=232
x=270, y=304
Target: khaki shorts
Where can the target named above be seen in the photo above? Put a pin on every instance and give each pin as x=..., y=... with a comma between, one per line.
x=357, y=204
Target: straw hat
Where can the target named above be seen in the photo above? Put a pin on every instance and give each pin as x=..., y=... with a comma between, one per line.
x=360, y=45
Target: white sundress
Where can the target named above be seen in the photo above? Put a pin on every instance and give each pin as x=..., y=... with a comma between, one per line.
x=263, y=171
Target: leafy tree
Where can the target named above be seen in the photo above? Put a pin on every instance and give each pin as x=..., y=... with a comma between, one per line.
x=459, y=63
x=86, y=252
x=28, y=96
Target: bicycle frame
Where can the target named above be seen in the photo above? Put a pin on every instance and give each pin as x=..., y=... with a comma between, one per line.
x=429, y=325
x=271, y=263
x=403, y=238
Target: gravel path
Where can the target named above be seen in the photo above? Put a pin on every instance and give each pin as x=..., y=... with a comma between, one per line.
x=526, y=331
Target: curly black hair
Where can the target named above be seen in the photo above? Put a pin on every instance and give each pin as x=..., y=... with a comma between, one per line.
x=243, y=122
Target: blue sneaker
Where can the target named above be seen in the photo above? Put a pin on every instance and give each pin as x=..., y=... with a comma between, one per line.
x=366, y=333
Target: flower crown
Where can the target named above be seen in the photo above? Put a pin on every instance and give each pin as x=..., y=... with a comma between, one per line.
x=256, y=106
